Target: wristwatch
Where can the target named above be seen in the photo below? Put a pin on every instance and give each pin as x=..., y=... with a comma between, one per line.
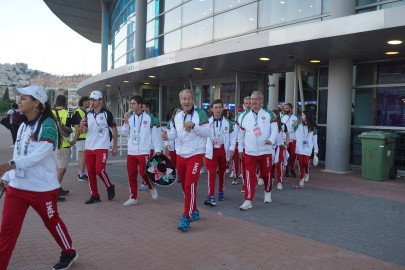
x=12, y=164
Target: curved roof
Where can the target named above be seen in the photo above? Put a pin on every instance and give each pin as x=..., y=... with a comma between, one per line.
x=84, y=17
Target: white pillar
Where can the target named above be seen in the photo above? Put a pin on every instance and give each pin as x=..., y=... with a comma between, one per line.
x=105, y=35
x=289, y=88
x=273, y=89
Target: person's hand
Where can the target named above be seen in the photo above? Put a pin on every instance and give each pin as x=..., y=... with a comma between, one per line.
x=268, y=142
x=126, y=116
x=5, y=167
x=114, y=151
x=72, y=142
x=188, y=126
x=240, y=155
x=3, y=185
x=231, y=154
x=164, y=135
x=157, y=153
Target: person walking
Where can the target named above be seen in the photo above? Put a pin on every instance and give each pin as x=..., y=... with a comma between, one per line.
x=307, y=141
x=170, y=145
x=219, y=149
x=289, y=119
x=79, y=114
x=16, y=118
x=190, y=130
x=280, y=147
x=97, y=124
x=258, y=132
x=142, y=132
x=31, y=178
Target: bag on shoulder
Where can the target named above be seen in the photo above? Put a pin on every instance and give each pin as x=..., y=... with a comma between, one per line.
x=64, y=130
x=17, y=118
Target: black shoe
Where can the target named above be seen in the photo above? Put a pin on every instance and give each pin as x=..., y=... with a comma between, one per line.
x=111, y=192
x=66, y=260
x=61, y=199
x=93, y=199
x=293, y=174
x=287, y=174
x=63, y=192
x=85, y=177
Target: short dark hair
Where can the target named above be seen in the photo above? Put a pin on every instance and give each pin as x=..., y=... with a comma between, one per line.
x=82, y=100
x=147, y=104
x=138, y=99
x=14, y=106
x=217, y=101
x=60, y=100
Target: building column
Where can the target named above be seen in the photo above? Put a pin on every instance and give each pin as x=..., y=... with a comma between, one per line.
x=273, y=89
x=140, y=30
x=341, y=8
x=105, y=34
x=338, y=130
x=290, y=88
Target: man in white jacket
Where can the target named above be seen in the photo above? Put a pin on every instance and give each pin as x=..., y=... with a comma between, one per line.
x=258, y=132
x=143, y=132
x=220, y=148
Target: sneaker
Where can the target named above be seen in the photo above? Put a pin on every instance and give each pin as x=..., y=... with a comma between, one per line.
x=66, y=260
x=221, y=196
x=280, y=186
x=260, y=182
x=287, y=174
x=93, y=199
x=184, y=224
x=232, y=174
x=227, y=171
x=246, y=205
x=143, y=187
x=301, y=184
x=111, y=192
x=306, y=177
x=61, y=199
x=241, y=175
x=130, y=202
x=85, y=177
x=234, y=181
x=202, y=170
x=82, y=178
x=267, y=197
x=210, y=201
x=154, y=193
x=63, y=192
x=293, y=174
x=195, y=216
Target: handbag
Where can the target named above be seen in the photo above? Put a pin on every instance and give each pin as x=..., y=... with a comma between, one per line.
x=5, y=122
x=64, y=130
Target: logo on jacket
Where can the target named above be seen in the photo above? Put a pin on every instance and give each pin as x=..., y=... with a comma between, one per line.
x=145, y=122
x=101, y=118
x=263, y=118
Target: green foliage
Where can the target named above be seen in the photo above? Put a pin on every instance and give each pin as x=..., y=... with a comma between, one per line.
x=5, y=105
x=6, y=96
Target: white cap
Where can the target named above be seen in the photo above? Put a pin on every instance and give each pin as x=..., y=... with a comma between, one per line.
x=33, y=90
x=96, y=95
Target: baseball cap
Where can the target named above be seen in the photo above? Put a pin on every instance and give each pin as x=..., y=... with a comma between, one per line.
x=96, y=95
x=33, y=90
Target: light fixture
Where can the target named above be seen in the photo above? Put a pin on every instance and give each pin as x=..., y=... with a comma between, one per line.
x=264, y=59
x=108, y=85
x=391, y=53
x=315, y=61
x=152, y=76
x=394, y=42
x=198, y=68
x=125, y=81
x=146, y=83
x=282, y=2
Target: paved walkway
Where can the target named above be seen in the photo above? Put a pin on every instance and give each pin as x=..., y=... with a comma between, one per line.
x=335, y=222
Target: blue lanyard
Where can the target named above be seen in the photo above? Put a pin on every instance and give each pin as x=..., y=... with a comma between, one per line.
x=256, y=116
x=27, y=141
x=191, y=117
x=220, y=127
x=95, y=118
x=140, y=122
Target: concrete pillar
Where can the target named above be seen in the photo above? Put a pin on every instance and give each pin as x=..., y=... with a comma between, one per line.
x=105, y=34
x=289, y=88
x=343, y=8
x=140, y=30
x=339, y=115
x=273, y=89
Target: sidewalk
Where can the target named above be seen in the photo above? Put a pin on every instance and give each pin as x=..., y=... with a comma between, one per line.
x=326, y=225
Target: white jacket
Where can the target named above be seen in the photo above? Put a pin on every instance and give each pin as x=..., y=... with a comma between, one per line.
x=147, y=131
x=35, y=160
x=311, y=139
x=193, y=142
x=289, y=120
x=253, y=143
x=227, y=136
x=170, y=144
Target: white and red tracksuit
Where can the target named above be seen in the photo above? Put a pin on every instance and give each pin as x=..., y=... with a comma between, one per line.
x=171, y=144
x=221, y=141
x=33, y=183
x=97, y=144
x=289, y=121
x=190, y=149
x=306, y=142
x=255, y=128
x=143, y=132
x=237, y=160
x=280, y=150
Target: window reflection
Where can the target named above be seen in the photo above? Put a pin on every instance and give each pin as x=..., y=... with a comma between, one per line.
x=171, y=20
x=195, y=10
x=171, y=42
x=228, y=4
x=197, y=33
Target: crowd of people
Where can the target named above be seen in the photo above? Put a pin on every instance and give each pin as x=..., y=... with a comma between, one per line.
x=259, y=145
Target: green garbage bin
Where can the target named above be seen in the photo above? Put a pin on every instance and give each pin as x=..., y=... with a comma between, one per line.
x=378, y=155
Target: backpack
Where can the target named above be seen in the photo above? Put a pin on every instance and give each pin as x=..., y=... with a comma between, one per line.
x=16, y=118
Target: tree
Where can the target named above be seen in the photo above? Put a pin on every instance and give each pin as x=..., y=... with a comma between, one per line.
x=6, y=95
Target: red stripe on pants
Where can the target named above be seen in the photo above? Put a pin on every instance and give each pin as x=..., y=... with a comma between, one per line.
x=135, y=164
x=95, y=164
x=293, y=156
x=189, y=171
x=251, y=163
x=218, y=161
x=15, y=208
x=303, y=162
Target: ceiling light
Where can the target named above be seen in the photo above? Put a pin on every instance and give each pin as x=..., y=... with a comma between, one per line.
x=146, y=83
x=394, y=42
x=264, y=59
x=107, y=85
x=125, y=81
x=315, y=61
x=152, y=76
x=392, y=53
x=282, y=2
x=198, y=68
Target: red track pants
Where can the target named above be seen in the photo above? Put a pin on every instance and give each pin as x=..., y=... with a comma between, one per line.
x=218, y=161
x=303, y=162
x=95, y=164
x=265, y=165
x=135, y=164
x=293, y=156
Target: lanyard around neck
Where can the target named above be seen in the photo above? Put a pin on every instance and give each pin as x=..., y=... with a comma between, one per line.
x=140, y=122
x=220, y=126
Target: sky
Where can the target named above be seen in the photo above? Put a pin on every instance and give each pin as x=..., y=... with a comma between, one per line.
x=30, y=33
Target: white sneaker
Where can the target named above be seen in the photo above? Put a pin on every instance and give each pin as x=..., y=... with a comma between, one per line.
x=306, y=177
x=227, y=171
x=232, y=174
x=301, y=184
x=234, y=181
x=202, y=170
x=154, y=193
x=280, y=186
x=246, y=205
x=260, y=182
x=241, y=175
x=130, y=202
x=267, y=197
x=143, y=187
